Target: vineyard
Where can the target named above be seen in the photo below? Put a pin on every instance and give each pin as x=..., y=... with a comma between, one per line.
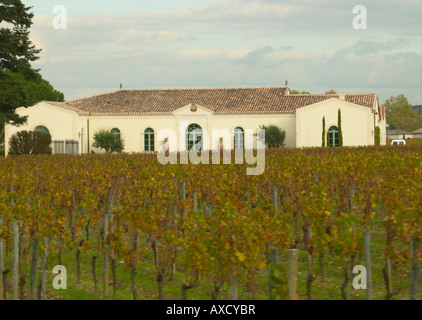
x=308, y=220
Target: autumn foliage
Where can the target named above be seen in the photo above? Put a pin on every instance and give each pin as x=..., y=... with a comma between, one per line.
x=214, y=221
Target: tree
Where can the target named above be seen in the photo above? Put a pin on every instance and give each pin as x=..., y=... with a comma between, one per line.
x=340, y=132
x=22, y=92
x=418, y=109
x=16, y=54
x=274, y=136
x=299, y=92
x=16, y=51
x=30, y=142
x=377, y=136
x=330, y=92
x=323, y=132
x=108, y=140
x=400, y=114
x=20, y=84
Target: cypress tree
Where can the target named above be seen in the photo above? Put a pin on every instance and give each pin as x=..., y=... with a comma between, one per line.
x=377, y=136
x=323, y=132
x=340, y=133
x=328, y=138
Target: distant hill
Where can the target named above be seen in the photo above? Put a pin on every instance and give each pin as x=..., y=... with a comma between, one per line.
x=418, y=109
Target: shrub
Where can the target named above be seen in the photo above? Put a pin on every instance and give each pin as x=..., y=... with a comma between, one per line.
x=108, y=140
x=30, y=142
x=274, y=136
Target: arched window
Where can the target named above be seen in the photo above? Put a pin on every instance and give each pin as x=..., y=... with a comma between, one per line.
x=149, y=140
x=333, y=140
x=239, y=138
x=194, y=137
x=42, y=129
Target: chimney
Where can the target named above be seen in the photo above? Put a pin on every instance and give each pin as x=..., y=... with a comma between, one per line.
x=286, y=83
x=121, y=86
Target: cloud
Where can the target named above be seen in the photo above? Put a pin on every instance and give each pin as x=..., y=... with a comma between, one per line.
x=255, y=56
x=365, y=47
x=236, y=43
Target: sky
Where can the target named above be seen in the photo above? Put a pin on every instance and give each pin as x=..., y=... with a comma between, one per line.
x=230, y=43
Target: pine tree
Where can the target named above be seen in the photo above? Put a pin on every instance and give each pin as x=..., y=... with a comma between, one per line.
x=16, y=54
x=20, y=84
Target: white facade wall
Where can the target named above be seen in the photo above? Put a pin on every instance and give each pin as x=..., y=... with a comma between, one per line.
x=132, y=127
x=61, y=123
x=382, y=124
x=357, y=123
x=303, y=129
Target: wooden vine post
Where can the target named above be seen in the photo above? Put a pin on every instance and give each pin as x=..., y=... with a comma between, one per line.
x=273, y=252
x=311, y=276
x=105, y=235
x=107, y=214
x=113, y=258
x=195, y=201
x=183, y=190
x=293, y=274
x=367, y=248
x=15, y=275
x=34, y=267
x=15, y=265
x=388, y=265
x=44, y=269
x=348, y=271
x=414, y=269
x=133, y=265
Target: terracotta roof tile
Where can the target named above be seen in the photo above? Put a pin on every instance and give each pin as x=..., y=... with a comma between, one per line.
x=67, y=106
x=228, y=101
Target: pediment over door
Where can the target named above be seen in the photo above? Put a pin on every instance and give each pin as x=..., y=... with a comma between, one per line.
x=193, y=109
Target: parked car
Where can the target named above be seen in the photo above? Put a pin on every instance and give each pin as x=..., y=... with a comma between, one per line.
x=398, y=143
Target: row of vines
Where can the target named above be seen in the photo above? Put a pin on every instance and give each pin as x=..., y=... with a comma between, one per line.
x=210, y=222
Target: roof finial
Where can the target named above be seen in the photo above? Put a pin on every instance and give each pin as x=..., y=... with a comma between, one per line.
x=286, y=83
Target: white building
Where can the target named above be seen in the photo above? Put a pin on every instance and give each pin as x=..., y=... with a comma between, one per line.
x=138, y=115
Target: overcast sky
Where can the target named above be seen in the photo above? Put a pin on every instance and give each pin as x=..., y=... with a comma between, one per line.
x=231, y=43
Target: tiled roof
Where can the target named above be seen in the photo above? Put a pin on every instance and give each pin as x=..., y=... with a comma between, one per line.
x=67, y=106
x=397, y=132
x=274, y=100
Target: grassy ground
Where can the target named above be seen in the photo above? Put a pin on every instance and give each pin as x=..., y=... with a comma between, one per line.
x=146, y=287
